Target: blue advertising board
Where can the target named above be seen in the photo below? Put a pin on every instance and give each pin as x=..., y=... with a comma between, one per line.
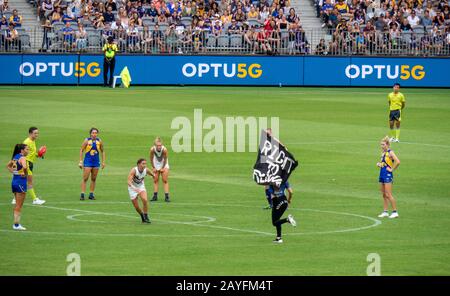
x=197, y=70
x=48, y=69
x=9, y=69
x=228, y=70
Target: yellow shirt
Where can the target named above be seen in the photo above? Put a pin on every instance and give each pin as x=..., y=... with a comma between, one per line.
x=31, y=157
x=252, y=14
x=396, y=100
x=110, y=50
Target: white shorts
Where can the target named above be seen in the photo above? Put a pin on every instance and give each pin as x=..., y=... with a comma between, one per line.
x=135, y=190
x=158, y=165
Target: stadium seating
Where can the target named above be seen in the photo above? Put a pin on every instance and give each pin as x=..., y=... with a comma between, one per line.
x=345, y=26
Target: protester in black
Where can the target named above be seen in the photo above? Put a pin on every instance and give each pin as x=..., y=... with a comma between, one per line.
x=280, y=204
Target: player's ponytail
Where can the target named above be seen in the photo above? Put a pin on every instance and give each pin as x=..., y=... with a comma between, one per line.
x=17, y=149
x=386, y=140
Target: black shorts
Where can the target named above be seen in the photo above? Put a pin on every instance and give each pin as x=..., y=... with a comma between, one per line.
x=279, y=206
x=394, y=115
x=30, y=166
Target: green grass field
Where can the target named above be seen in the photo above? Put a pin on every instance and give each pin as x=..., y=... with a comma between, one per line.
x=215, y=224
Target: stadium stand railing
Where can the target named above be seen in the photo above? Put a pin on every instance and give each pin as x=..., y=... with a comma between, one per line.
x=171, y=40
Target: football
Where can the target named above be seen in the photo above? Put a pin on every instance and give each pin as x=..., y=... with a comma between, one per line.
x=42, y=151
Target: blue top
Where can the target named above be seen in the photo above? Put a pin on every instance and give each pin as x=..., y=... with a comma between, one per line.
x=18, y=169
x=279, y=192
x=91, y=150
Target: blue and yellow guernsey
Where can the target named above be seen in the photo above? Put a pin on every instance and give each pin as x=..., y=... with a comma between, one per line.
x=91, y=153
x=386, y=162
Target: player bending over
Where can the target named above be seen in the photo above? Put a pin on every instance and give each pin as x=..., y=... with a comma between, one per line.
x=389, y=162
x=279, y=206
x=136, y=187
x=159, y=159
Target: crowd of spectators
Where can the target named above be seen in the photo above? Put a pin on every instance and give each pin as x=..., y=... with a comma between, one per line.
x=260, y=26
x=385, y=26
x=10, y=24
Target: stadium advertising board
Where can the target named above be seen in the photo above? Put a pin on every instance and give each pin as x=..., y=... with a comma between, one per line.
x=229, y=70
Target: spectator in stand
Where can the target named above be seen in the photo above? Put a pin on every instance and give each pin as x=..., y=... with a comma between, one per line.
x=68, y=37
x=66, y=18
x=431, y=10
x=3, y=6
x=216, y=29
x=292, y=17
x=263, y=14
x=3, y=23
x=45, y=10
x=123, y=17
x=234, y=28
x=226, y=18
x=152, y=11
x=98, y=21
x=158, y=39
x=282, y=23
x=437, y=40
x=112, y=4
x=413, y=19
x=15, y=19
x=133, y=37
x=405, y=26
x=100, y=8
x=11, y=38
x=56, y=15
x=426, y=20
x=321, y=48
x=253, y=13
x=380, y=23
x=438, y=20
x=136, y=19
x=109, y=16
x=446, y=14
x=426, y=43
x=108, y=32
x=86, y=20
x=46, y=41
x=239, y=16
x=81, y=37
x=116, y=25
x=325, y=12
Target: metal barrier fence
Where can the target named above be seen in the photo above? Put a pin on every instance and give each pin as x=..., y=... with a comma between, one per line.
x=175, y=40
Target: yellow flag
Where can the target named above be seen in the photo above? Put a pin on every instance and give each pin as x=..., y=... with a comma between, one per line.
x=125, y=76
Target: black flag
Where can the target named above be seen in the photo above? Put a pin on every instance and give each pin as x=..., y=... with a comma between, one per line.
x=274, y=164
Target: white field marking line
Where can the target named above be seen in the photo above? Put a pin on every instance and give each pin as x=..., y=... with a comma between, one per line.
x=168, y=221
x=376, y=221
x=208, y=219
x=71, y=217
x=86, y=212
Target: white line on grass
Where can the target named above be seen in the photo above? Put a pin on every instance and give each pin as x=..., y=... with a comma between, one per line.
x=197, y=223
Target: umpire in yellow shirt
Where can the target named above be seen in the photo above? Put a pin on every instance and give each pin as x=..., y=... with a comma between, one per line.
x=109, y=61
x=396, y=104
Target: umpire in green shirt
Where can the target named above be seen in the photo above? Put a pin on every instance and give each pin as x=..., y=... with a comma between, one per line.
x=109, y=61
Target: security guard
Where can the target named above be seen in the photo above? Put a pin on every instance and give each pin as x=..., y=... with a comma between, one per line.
x=109, y=62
